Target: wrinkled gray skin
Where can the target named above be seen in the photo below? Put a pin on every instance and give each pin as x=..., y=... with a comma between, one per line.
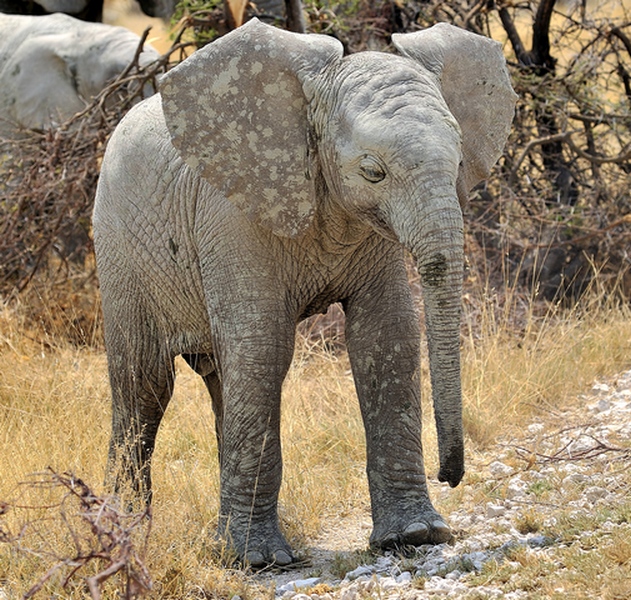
x=222, y=221
x=51, y=66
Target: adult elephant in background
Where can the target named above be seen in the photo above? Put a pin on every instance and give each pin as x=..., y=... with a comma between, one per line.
x=222, y=220
x=86, y=10
x=51, y=66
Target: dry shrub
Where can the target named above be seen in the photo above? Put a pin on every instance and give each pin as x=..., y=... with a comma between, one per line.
x=77, y=536
x=47, y=185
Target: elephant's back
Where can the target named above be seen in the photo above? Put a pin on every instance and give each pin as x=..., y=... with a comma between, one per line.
x=133, y=177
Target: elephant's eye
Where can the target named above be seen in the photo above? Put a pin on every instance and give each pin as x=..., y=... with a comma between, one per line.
x=371, y=170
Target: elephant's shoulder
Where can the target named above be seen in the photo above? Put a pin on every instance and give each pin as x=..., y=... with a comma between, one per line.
x=143, y=131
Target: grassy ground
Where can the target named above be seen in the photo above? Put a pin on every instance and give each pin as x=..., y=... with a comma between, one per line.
x=54, y=412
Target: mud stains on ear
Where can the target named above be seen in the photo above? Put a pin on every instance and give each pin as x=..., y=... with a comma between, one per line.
x=433, y=273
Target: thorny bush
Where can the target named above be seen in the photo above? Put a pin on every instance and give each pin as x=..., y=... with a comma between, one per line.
x=104, y=542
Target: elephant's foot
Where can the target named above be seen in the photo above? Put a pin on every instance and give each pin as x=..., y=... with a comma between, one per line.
x=261, y=547
x=258, y=558
x=423, y=528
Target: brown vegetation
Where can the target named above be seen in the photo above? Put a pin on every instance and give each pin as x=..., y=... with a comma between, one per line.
x=552, y=220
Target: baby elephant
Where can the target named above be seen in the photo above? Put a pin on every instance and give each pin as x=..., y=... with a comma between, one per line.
x=271, y=177
x=51, y=66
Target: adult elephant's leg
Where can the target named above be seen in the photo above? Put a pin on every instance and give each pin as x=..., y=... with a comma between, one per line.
x=141, y=377
x=383, y=339
x=254, y=361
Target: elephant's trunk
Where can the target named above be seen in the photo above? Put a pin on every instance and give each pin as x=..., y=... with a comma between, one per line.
x=434, y=235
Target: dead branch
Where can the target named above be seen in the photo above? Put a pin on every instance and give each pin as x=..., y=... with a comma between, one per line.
x=109, y=542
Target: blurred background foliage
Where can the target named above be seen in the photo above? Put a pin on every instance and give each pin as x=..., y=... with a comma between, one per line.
x=551, y=223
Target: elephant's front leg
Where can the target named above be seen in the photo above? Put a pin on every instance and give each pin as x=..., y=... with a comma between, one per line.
x=382, y=334
x=253, y=370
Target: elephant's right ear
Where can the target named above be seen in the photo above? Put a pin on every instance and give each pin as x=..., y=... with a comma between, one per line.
x=237, y=113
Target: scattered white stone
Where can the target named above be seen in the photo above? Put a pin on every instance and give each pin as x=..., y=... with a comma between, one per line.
x=516, y=595
x=600, y=389
x=359, y=571
x=487, y=531
x=575, y=479
x=388, y=583
x=454, y=575
x=594, y=493
x=405, y=577
x=438, y=585
x=349, y=594
x=603, y=405
x=536, y=428
x=516, y=488
x=495, y=510
x=489, y=592
x=478, y=559
x=498, y=469
x=298, y=584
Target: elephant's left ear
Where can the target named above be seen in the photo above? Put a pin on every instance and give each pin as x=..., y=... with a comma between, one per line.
x=476, y=87
x=237, y=113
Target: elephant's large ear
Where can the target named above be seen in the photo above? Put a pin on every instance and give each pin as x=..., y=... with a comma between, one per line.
x=237, y=112
x=476, y=87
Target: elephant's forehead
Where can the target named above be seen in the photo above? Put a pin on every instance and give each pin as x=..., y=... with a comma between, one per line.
x=367, y=79
x=386, y=97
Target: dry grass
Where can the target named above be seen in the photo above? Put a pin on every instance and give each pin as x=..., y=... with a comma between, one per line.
x=54, y=410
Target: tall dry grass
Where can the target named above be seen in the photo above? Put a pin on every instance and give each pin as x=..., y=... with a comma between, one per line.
x=54, y=412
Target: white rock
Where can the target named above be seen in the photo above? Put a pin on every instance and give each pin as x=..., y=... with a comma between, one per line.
x=594, y=493
x=489, y=592
x=600, y=388
x=516, y=595
x=405, y=577
x=349, y=594
x=438, y=585
x=387, y=583
x=495, y=510
x=478, y=559
x=535, y=428
x=499, y=469
x=516, y=488
x=359, y=571
x=454, y=575
x=602, y=405
x=298, y=584
x=384, y=563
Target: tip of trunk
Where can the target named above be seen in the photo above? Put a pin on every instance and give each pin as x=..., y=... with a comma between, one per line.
x=452, y=467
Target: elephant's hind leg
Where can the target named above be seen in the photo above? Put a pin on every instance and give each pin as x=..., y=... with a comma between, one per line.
x=204, y=366
x=141, y=377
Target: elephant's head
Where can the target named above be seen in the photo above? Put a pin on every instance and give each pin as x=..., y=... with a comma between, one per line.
x=268, y=115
